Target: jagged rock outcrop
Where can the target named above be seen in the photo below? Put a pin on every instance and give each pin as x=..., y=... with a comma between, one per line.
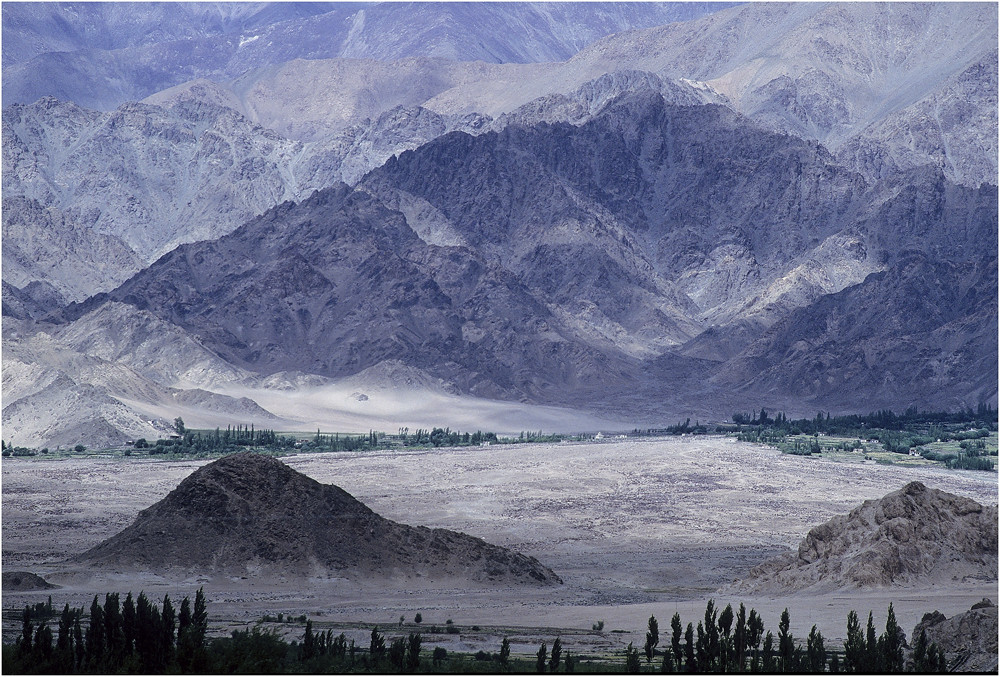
x=249, y=514
x=969, y=639
x=913, y=536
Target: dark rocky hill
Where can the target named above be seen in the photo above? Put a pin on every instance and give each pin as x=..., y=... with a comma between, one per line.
x=912, y=537
x=249, y=514
x=340, y=283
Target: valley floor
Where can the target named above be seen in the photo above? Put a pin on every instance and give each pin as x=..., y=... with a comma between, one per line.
x=633, y=527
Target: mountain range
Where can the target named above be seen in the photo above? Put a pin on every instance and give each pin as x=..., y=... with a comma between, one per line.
x=782, y=205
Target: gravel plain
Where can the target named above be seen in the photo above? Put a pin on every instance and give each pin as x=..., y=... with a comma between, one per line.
x=634, y=527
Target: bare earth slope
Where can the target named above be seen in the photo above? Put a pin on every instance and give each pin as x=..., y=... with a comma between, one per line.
x=252, y=514
x=912, y=536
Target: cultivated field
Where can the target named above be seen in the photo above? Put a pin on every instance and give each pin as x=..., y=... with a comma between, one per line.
x=633, y=527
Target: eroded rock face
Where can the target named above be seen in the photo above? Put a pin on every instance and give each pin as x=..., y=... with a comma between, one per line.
x=248, y=514
x=912, y=536
x=969, y=640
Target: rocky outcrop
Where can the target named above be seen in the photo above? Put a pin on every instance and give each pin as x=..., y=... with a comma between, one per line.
x=969, y=640
x=914, y=536
x=24, y=581
x=249, y=514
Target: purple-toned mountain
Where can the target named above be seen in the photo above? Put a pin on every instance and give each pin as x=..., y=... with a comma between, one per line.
x=655, y=259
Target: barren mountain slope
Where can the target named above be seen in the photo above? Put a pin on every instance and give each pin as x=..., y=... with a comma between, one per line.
x=104, y=194
x=912, y=537
x=148, y=176
x=667, y=199
x=251, y=514
x=954, y=127
x=42, y=244
x=347, y=285
x=819, y=70
x=101, y=388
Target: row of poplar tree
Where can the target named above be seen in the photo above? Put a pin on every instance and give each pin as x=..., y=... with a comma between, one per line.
x=728, y=642
x=135, y=636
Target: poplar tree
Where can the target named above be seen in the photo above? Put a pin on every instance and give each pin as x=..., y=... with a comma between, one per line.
x=786, y=643
x=129, y=624
x=376, y=647
x=504, y=653
x=740, y=637
x=556, y=655
x=690, y=662
x=769, y=652
x=854, y=645
x=675, y=640
x=413, y=652
x=632, y=664
x=64, y=640
x=652, y=639
x=27, y=633
x=80, y=649
x=95, y=638
x=167, y=620
x=815, y=651
x=871, y=655
x=892, y=645
x=725, y=629
x=540, y=659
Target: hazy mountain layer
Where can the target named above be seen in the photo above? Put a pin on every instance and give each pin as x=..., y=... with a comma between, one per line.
x=848, y=75
x=75, y=52
x=111, y=191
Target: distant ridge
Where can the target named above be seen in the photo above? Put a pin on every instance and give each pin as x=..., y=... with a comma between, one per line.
x=913, y=536
x=249, y=514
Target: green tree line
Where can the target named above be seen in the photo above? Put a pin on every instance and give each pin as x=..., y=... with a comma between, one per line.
x=134, y=636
